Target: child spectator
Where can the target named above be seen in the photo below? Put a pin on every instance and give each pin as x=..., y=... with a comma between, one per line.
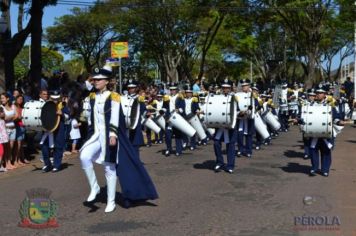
x=75, y=134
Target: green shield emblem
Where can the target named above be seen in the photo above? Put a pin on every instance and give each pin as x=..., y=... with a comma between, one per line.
x=39, y=210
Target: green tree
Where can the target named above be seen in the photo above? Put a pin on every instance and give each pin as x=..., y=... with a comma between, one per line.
x=51, y=60
x=85, y=33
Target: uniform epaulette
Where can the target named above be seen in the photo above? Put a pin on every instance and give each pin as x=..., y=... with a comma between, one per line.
x=60, y=106
x=331, y=101
x=342, y=91
x=195, y=99
x=260, y=101
x=195, y=94
x=165, y=98
x=154, y=102
x=141, y=99
x=236, y=98
x=290, y=90
x=92, y=96
x=180, y=95
x=115, y=97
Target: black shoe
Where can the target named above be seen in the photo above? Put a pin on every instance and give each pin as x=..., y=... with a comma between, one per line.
x=305, y=157
x=178, y=154
x=167, y=153
x=249, y=156
x=325, y=174
x=217, y=168
x=312, y=173
x=148, y=145
x=230, y=171
x=238, y=154
x=46, y=169
x=55, y=170
x=192, y=148
x=127, y=203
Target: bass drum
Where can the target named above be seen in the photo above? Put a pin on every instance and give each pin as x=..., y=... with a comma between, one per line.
x=220, y=111
x=317, y=121
x=160, y=121
x=39, y=116
x=131, y=109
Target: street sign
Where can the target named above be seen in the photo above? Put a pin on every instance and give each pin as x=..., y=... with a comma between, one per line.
x=119, y=49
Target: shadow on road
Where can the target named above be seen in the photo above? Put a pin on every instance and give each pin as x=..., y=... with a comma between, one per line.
x=351, y=141
x=102, y=198
x=208, y=165
x=293, y=154
x=293, y=167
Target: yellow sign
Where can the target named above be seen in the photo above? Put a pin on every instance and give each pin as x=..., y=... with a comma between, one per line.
x=119, y=49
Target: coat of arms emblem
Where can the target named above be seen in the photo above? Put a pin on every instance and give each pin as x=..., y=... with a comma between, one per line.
x=38, y=210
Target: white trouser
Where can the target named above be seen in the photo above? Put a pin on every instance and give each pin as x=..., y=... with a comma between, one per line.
x=91, y=153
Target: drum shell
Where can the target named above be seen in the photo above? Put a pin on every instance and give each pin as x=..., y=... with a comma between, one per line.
x=131, y=109
x=178, y=122
x=261, y=127
x=272, y=121
x=244, y=100
x=317, y=121
x=160, y=121
x=220, y=111
x=149, y=123
x=195, y=122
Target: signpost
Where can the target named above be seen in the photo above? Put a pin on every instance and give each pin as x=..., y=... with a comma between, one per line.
x=120, y=50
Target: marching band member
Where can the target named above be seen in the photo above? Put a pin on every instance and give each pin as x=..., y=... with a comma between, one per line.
x=159, y=106
x=150, y=111
x=306, y=141
x=293, y=96
x=191, y=108
x=322, y=145
x=135, y=135
x=173, y=103
x=283, y=107
x=228, y=136
x=246, y=125
x=101, y=147
x=255, y=92
x=59, y=137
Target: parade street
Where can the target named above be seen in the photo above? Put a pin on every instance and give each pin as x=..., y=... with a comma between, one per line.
x=270, y=194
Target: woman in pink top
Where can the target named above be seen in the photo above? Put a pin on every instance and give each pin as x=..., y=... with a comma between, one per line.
x=3, y=139
x=10, y=116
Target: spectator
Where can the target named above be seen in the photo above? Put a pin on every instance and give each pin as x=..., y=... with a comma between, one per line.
x=10, y=116
x=75, y=134
x=20, y=132
x=196, y=86
x=3, y=139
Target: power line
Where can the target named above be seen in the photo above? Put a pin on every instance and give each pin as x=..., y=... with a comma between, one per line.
x=232, y=8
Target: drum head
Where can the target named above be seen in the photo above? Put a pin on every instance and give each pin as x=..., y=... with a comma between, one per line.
x=49, y=117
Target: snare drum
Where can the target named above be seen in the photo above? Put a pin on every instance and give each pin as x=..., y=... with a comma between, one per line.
x=220, y=111
x=131, y=109
x=317, y=121
x=178, y=122
x=39, y=116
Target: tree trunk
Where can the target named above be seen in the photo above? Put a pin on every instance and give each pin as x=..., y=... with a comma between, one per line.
x=311, y=70
x=36, y=45
x=20, y=18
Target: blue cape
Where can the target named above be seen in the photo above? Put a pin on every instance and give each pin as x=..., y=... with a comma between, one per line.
x=135, y=182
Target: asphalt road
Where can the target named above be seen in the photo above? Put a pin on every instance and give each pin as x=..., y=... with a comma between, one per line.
x=264, y=196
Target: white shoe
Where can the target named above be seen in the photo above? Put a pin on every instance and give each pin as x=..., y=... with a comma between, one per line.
x=93, y=183
x=111, y=192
